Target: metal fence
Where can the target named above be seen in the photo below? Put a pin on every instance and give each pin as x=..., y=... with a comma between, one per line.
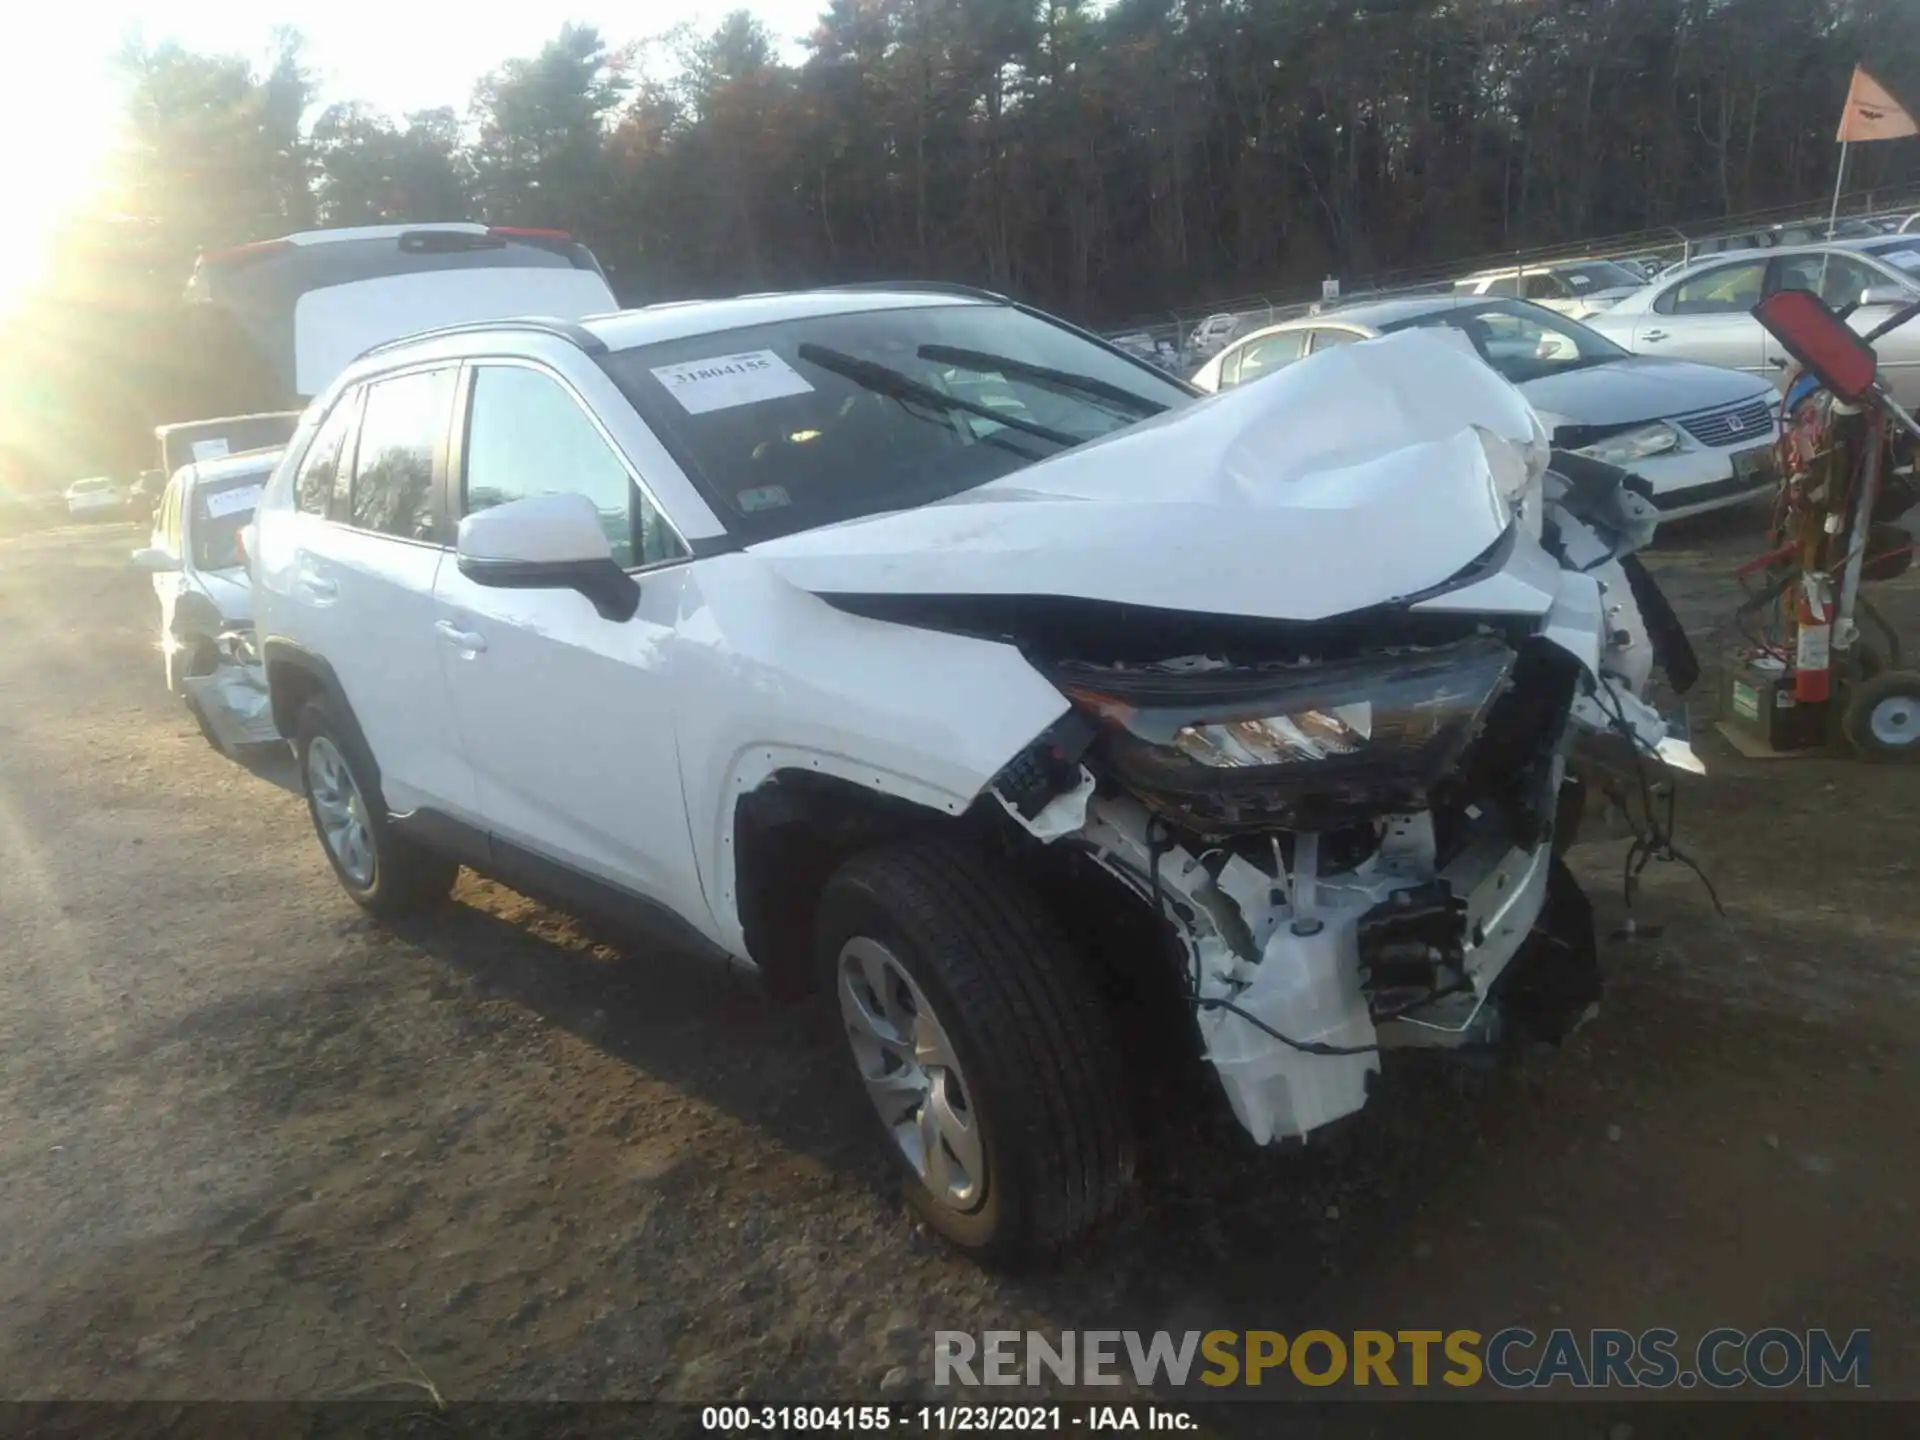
x=1170, y=336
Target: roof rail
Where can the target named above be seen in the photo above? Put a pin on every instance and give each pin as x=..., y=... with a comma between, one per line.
x=926, y=287
x=570, y=331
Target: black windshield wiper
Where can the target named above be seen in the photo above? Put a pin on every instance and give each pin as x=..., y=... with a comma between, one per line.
x=1066, y=380
x=870, y=375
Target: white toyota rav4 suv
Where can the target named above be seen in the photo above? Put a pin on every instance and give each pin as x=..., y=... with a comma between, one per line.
x=908, y=643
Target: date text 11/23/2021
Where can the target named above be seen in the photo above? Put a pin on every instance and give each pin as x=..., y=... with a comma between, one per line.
x=942, y=1419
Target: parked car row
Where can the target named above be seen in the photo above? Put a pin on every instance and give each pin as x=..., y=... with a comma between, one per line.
x=1673, y=379
x=1579, y=287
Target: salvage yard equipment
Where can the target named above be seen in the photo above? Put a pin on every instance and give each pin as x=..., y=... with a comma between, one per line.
x=1808, y=676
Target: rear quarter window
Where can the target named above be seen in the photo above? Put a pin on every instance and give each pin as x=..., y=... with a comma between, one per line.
x=403, y=428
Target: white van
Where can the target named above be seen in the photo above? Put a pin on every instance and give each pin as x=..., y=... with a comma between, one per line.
x=283, y=317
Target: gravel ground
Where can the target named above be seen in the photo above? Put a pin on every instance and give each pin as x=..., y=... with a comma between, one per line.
x=253, y=1145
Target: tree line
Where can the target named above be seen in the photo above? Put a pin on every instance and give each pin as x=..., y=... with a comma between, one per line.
x=1105, y=160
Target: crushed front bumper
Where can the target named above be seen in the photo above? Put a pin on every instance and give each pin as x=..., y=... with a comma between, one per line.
x=1322, y=979
x=232, y=703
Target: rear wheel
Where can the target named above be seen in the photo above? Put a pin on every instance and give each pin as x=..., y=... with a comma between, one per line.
x=380, y=868
x=983, y=1049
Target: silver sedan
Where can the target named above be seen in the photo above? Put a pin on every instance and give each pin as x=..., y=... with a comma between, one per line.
x=1702, y=311
x=1700, y=436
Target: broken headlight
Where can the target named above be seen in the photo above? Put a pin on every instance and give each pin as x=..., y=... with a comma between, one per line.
x=1306, y=746
x=1643, y=442
x=239, y=647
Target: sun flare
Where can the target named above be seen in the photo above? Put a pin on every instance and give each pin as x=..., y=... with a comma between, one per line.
x=56, y=131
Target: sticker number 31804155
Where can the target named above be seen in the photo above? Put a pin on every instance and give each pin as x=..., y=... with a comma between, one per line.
x=729, y=380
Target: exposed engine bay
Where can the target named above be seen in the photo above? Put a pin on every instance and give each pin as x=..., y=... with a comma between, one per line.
x=1352, y=828
x=1345, y=656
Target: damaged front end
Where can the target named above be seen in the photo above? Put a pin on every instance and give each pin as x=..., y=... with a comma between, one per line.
x=231, y=704
x=1351, y=828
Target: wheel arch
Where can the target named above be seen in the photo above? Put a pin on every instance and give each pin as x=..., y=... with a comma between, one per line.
x=786, y=838
x=295, y=677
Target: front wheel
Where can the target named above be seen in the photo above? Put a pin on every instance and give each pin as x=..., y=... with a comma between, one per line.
x=380, y=868
x=984, y=1050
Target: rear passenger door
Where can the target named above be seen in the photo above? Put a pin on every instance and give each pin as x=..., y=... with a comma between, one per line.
x=373, y=534
x=568, y=717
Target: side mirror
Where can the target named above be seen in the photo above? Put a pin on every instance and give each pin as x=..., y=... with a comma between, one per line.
x=154, y=561
x=546, y=542
x=1884, y=295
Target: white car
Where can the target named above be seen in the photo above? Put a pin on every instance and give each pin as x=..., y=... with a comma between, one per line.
x=1574, y=288
x=94, y=498
x=903, y=641
x=1704, y=311
x=1701, y=437
x=195, y=557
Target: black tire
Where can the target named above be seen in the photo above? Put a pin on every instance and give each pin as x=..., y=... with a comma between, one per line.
x=406, y=876
x=1032, y=1039
x=1872, y=709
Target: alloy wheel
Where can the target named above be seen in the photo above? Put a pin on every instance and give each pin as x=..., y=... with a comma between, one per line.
x=911, y=1073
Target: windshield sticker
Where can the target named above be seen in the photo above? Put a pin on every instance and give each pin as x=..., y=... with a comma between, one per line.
x=209, y=449
x=727, y=381
x=222, y=503
x=767, y=497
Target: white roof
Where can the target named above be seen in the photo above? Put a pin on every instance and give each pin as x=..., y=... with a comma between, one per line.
x=678, y=320
x=381, y=232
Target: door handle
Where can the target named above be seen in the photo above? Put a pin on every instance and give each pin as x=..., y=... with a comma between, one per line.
x=454, y=635
x=319, y=587
x=1653, y=336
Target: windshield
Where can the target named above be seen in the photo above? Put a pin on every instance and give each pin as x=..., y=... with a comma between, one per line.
x=201, y=440
x=1902, y=252
x=221, y=510
x=1598, y=275
x=808, y=422
x=1523, y=342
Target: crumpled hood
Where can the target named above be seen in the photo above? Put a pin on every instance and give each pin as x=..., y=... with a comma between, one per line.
x=1353, y=478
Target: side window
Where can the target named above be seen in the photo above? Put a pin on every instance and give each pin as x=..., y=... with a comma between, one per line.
x=1327, y=339
x=527, y=435
x=1543, y=287
x=320, y=466
x=1262, y=357
x=1834, y=278
x=1724, y=290
x=401, y=426
x=1230, y=368
x=1504, y=285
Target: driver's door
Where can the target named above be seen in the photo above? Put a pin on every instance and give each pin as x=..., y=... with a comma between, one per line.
x=567, y=717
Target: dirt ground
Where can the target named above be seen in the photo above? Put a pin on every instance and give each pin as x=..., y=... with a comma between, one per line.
x=254, y=1145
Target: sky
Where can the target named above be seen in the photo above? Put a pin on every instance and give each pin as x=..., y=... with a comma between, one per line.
x=59, y=102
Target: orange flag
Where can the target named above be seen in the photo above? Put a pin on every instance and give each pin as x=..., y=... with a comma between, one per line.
x=1871, y=113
